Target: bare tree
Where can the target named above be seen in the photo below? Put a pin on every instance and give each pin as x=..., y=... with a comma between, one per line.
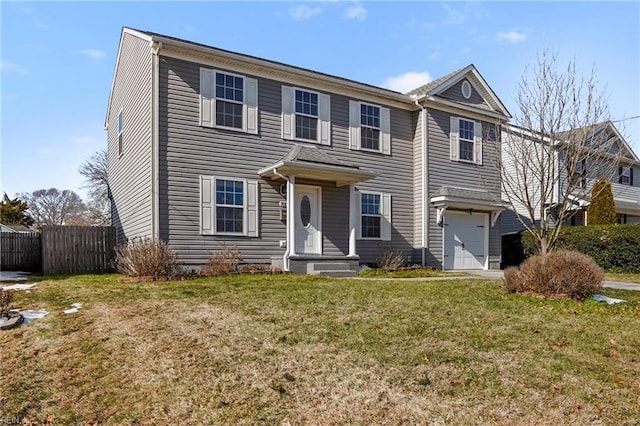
x=94, y=171
x=562, y=138
x=54, y=207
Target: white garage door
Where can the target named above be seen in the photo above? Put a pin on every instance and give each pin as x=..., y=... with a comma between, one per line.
x=464, y=240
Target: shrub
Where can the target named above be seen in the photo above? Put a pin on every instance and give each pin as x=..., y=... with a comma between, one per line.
x=615, y=248
x=602, y=209
x=224, y=261
x=561, y=272
x=146, y=257
x=390, y=260
x=6, y=297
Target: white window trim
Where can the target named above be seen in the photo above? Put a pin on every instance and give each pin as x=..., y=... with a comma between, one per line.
x=233, y=101
x=454, y=140
x=626, y=174
x=355, y=126
x=465, y=88
x=295, y=114
x=379, y=128
x=473, y=141
x=289, y=116
x=248, y=204
x=249, y=102
x=120, y=136
x=385, y=216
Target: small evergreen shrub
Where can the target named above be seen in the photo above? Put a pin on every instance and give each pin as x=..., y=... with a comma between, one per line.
x=560, y=272
x=146, y=257
x=224, y=261
x=602, y=208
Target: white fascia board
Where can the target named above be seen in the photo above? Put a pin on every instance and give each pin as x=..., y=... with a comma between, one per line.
x=454, y=107
x=134, y=33
x=467, y=203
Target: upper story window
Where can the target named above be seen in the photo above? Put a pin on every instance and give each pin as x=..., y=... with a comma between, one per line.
x=579, y=177
x=626, y=175
x=465, y=140
x=228, y=101
x=369, y=127
x=306, y=115
x=120, y=131
x=228, y=206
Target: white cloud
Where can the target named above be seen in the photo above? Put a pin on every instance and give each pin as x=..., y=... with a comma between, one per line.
x=8, y=66
x=302, y=13
x=465, y=51
x=92, y=53
x=356, y=12
x=407, y=81
x=512, y=36
x=435, y=55
x=454, y=17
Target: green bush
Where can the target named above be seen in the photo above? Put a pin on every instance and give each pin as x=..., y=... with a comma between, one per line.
x=560, y=272
x=616, y=248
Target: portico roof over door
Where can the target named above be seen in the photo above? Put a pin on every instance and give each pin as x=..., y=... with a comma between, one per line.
x=309, y=162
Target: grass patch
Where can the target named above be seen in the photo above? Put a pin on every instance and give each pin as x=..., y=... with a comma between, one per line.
x=629, y=278
x=407, y=273
x=310, y=350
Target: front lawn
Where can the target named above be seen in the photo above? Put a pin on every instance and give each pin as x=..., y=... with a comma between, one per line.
x=310, y=350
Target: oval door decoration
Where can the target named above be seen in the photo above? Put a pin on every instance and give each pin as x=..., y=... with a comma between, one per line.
x=305, y=211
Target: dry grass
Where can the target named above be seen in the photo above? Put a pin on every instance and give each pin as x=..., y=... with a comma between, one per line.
x=630, y=278
x=307, y=350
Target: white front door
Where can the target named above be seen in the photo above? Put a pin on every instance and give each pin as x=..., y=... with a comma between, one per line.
x=308, y=215
x=465, y=240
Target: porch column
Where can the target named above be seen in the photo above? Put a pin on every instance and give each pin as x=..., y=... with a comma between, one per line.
x=352, y=220
x=291, y=215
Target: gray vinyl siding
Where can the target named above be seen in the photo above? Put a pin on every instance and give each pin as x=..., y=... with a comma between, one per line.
x=188, y=151
x=130, y=173
x=455, y=93
x=444, y=172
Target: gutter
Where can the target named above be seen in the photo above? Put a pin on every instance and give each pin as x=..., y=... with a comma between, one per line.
x=425, y=177
x=155, y=139
x=285, y=259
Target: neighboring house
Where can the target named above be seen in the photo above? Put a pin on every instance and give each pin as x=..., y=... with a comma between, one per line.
x=14, y=228
x=298, y=168
x=619, y=166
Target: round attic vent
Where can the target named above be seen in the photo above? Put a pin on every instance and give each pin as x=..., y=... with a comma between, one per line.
x=466, y=89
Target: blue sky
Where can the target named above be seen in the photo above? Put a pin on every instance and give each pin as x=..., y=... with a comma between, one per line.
x=58, y=58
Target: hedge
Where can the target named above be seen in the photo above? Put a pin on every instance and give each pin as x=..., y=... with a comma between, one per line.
x=616, y=248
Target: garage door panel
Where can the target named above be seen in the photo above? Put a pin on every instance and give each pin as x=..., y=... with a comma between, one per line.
x=464, y=241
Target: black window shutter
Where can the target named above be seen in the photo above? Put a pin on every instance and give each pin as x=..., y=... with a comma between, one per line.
x=631, y=176
x=620, y=174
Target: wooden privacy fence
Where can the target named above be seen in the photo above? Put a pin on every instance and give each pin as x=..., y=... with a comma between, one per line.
x=20, y=251
x=77, y=249
x=59, y=250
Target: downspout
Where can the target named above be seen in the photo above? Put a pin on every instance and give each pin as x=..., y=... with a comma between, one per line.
x=425, y=176
x=285, y=259
x=156, y=46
